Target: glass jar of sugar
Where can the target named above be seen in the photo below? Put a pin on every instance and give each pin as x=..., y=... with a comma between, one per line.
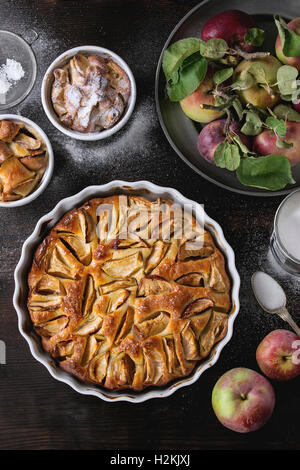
x=285, y=239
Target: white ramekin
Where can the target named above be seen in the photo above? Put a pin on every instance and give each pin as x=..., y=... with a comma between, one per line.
x=49, y=170
x=149, y=190
x=48, y=81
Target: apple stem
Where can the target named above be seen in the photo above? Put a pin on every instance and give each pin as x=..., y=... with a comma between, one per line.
x=251, y=55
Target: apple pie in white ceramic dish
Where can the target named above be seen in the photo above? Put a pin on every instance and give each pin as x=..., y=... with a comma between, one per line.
x=127, y=309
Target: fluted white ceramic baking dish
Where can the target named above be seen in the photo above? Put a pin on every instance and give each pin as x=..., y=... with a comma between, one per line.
x=152, y=191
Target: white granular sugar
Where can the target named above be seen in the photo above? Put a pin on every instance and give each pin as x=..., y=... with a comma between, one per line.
x=10, y=74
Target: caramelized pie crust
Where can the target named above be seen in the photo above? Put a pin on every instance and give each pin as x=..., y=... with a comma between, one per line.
x=128, y=313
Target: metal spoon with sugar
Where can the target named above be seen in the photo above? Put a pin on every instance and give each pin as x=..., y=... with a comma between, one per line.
x=271, y=297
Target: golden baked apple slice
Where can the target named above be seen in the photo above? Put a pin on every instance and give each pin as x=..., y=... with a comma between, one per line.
x=89, y=296
x=170, y=351
x=194, y=249
x=90, y=351
x=52, y=327
x=157, y=254
x=77, y=67
x=197, y=306
x=27, y=142
x=216, y=279
x=191, y=279
x=116, y=285
x=153, y=326
x=125, y=325
x=189, y=344
x=98, y=367
x=9, y=130
x=89, y=325
x=125, y=267
x=153, y=285
x=23, y=189
x=5, y=152
x=80, y=249
x=214, y=331
x=13, y=173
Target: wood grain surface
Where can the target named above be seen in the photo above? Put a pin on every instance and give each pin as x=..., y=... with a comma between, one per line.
x=37, y=412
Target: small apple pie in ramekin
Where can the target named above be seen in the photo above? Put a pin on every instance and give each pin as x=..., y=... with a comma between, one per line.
x=127, y=293
x=90, y=93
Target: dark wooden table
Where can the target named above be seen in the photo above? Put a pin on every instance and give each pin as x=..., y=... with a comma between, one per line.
x=36, y=412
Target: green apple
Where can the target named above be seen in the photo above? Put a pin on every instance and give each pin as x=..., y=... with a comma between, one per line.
x=263, y=93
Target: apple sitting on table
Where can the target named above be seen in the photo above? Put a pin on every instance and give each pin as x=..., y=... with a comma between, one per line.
x=192, y=104
x=230, y=25
x=213, y=134
x=294, y=25
x=277, y=355
x=265, y=143
x=243, y=400
x=262, y=94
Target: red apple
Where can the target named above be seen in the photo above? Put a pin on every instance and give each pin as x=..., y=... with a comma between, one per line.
x=243, y=400
x=230, y=25
x=276, y=357
x=213, y=134
x=297, y=107
x=294, y=25
x=265, y=143
x=192, y=104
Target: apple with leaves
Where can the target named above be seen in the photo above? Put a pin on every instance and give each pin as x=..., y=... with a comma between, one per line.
x=192, y=105
x=243, y=400
x=232, y=26
x=214, y=134
x=267, y=143
x=257, y=78
x=293, y=26
x=278, y=355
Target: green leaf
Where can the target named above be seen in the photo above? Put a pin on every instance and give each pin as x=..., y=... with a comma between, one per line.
x=286, y=78
x=272, y=172
x=222, y=75
x=283, y=144
x=278, y=126
x=289, y=39
x=258, y=72
x=227, y=156
x=174, y=56
x=245, y=80
x=238, y=108
x=255, y=37
x=287, y=97
x=253, y=124
x=214, y=48
x=244, y=149
x=287, y=113
x=190, y=77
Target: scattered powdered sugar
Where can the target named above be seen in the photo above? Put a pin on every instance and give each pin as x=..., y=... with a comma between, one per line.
x=10, y=74
x=126, y=147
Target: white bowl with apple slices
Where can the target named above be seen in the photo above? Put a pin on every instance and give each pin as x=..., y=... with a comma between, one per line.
x=150, y=191
x=45, y=180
